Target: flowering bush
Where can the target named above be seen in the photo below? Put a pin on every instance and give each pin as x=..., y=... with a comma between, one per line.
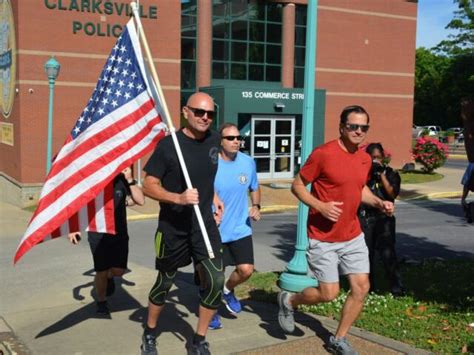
x=430, y=153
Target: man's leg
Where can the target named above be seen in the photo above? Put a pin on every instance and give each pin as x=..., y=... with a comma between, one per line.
x=100, y=281
x=156, y=302
x=323, y=263
x=359, y=284
x=241, y=274
x=239, y=253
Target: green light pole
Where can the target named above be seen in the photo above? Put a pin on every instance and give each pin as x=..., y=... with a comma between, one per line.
x=51, y=68
x=295, y=278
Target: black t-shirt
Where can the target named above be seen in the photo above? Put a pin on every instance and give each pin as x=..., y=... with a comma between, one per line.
x=200, y=157
x=121, y=191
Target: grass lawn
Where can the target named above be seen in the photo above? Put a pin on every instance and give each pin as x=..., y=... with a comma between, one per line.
x=418, y=177
x=436, y=315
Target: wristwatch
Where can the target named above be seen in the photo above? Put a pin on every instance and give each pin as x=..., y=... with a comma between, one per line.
x=257, y=205
x=133, y=182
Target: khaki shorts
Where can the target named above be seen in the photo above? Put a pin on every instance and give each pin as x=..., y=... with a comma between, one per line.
x=327, y=261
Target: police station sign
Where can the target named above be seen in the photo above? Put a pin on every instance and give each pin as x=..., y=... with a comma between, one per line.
x=99, y=7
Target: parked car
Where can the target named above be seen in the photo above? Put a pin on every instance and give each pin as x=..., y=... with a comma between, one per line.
x=457, y=131
x=434, y=130
x=415, y=131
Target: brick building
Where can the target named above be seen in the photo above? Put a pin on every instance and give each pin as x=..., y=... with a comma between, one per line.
x=248, y=54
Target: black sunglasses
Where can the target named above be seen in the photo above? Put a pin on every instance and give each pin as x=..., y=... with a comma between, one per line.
x=231, y=138
x=354, y=127
x=199, y=112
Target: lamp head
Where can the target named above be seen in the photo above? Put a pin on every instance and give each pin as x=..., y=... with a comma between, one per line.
x=51, y=67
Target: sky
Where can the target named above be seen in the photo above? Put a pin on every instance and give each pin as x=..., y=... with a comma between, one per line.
x=433, y=16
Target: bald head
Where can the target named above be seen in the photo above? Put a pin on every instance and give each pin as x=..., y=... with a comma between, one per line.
x=201, y=100
x=198, y=113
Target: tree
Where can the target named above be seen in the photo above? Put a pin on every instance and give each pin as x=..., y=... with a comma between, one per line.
x=444, y=75
x=461, y=43
x=430, y=71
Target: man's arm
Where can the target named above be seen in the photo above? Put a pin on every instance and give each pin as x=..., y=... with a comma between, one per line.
x=152, y=188
x=329, y=210
x=255, y=197
x=370, y=199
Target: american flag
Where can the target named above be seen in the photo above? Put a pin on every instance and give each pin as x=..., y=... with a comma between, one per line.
x=120, y=124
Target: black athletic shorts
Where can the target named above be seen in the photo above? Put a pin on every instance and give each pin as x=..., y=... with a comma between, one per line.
x=108, y=250
x=238, y=252
x=176, y=251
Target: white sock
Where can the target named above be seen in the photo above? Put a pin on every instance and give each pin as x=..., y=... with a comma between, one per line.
x=226, y=290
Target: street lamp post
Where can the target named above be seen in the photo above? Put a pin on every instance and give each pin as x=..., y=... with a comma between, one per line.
x=295, y=278
x=51, y=68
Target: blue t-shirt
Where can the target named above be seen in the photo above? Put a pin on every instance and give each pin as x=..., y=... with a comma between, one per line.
x=233, y=181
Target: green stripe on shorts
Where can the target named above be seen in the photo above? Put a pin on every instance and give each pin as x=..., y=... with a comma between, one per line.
x=159, y=247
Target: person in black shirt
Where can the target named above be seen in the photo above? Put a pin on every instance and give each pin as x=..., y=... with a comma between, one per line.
x=110, y=252
x=378, y=228
x=179, y=240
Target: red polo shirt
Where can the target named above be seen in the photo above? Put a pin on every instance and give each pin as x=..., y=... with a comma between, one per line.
x=336, y=175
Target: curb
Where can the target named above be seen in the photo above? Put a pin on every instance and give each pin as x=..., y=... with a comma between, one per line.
x=458, y=156
x=435, y=195
x=264, y=210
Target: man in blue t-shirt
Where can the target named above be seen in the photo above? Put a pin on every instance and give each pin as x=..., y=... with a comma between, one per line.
x=236, y=177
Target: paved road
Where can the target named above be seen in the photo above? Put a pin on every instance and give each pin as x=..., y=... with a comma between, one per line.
x=424, y=229
x=456, y=164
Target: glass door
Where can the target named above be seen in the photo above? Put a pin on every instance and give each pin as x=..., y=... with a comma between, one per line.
x=272, y=146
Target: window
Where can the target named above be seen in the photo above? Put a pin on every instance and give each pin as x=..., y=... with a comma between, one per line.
x=300, y=45
x=188, y=47
x=246, y=40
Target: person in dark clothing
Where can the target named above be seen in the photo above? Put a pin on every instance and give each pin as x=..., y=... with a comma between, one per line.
x=379, y=228
x=110, y=252
x=179, y=239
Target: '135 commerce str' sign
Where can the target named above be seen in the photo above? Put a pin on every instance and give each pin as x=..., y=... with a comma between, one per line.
x=7, y=58
x=99, y=7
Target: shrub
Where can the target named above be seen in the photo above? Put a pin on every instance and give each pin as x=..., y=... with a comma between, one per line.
x=430, y=153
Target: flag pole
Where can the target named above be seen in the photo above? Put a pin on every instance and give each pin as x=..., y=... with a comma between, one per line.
x=172, y=129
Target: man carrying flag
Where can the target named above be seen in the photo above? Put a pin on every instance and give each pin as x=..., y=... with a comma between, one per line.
x=118, y=126
x=179, y=239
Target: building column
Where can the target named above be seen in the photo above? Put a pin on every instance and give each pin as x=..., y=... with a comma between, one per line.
x=204, y=44
x=288, y=46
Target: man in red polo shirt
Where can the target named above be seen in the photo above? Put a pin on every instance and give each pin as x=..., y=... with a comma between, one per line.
x=338, y=172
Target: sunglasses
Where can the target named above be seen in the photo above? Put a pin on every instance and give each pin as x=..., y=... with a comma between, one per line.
x=352, y=127
x=199, y=112
x=232, y=138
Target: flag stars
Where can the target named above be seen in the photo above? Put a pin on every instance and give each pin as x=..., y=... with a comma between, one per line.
x=119, y=60
x=127, y=95
x=77, y=130
x=124, y=72
x=118, y=93
x=139, y=86
x=123, y=49
x=105, y=101
x=130, y=85
x=121, y=83
x=128, y=62
x=133, y=75
x=108, y=91
x=116, y=71
x=101, y=111
x=114, y=103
